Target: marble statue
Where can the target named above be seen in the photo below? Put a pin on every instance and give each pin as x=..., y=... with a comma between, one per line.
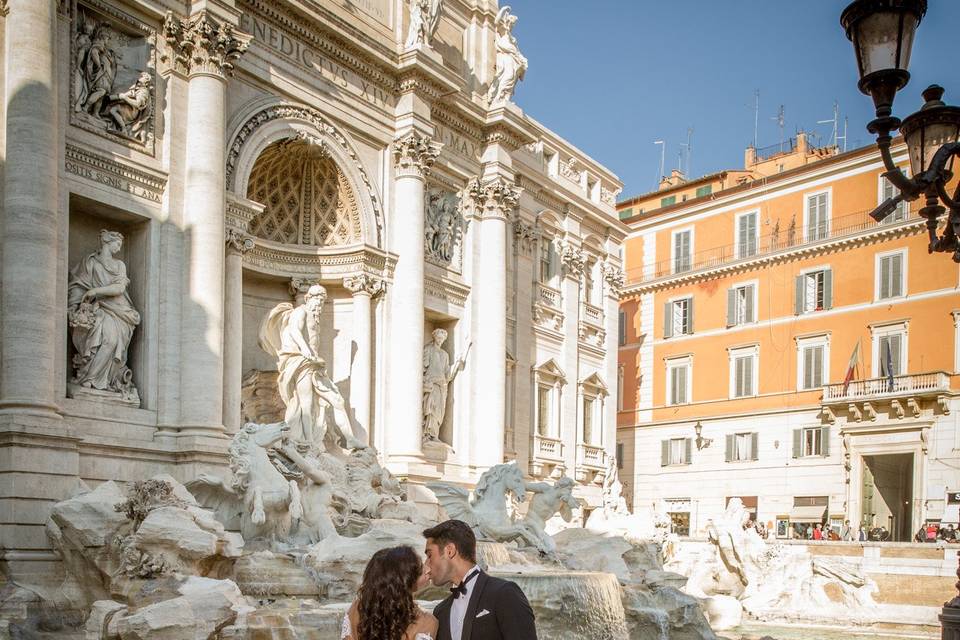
x=486, y=509
x=424, y=18
x=131, y=110
x=262, y=502
x=442, y=226
x=97, y=69
x=511, y=64
x=437, y=376
x=102, y=319
x=613, y=501
x=549, y=499
x=292, y=335
x=374, y=492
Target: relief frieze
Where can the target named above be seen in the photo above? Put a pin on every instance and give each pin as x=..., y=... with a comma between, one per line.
x=308, y=57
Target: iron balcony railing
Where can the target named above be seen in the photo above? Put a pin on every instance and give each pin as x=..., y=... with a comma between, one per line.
x=930, y=382
x=794, y=236
x=788, y=145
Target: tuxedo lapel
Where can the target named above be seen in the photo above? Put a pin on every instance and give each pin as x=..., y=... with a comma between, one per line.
x=442, y=613
x=473, y=606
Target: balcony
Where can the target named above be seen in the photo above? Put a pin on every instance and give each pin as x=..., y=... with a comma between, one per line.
x=549, y=297
x=791, y=239
x=592, y=314
x=546, y=457
x=591, y=463
x=902, y=395
x=548, y=308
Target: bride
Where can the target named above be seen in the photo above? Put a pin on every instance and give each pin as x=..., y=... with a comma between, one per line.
x=384, y=608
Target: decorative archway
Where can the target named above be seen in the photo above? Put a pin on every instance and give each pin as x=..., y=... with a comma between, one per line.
x=266, y=125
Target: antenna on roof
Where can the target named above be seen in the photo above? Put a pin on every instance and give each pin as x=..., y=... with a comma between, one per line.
x=662, y=152
x=780, y=122
x=687, y=150
x=835, y=121
x=756, y=115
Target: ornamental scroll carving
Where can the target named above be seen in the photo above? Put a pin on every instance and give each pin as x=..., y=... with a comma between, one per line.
x=614, y=277
x=526, y=236
x=364, y=283
x=202, y=45
x=571, y=257
x=414, y=154
x=112, y=75
x=494, y=198
x=238, y=241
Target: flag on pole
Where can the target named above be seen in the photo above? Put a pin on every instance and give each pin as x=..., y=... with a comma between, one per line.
x=851, y=367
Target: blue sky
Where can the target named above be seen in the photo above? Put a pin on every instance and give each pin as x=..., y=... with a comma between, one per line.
x=612, y=76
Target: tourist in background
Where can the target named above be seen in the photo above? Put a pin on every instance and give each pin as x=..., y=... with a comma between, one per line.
x=862, y=536
x=846, y=532
x=818, y=532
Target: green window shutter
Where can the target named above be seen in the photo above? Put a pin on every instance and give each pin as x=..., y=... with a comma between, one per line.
x=704, y=191
x=798, y=295
x=808, y=364
x=669, y=200
x=885, y=277
x=797, y=442
x=664, y=453
x=688, y=328
x=687, y=458
x=731, y=443
x=749, y=317
x=748, y=382
x=828, y=289
x=825, y=441
x=754, y=441
x=626, y=213
x=731, y=307
x=668, y=320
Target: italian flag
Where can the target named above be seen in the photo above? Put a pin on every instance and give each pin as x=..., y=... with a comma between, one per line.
x=851, y=366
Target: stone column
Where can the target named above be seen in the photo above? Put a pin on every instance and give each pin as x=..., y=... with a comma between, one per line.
x=571, y=260
x=207, y=50
x=363, y=287
x=494, y=202
x=29, y=307
x=238, y=243
x=414, y=154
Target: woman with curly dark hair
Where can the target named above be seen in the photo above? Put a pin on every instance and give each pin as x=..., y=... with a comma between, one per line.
x=384, y=608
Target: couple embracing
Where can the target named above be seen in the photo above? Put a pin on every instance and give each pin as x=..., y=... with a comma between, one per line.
x=479, y=607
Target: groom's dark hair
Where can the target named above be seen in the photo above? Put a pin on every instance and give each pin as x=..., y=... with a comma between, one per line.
x=457, y=533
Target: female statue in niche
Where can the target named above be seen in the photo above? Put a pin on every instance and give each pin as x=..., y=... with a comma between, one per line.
x=102, y=319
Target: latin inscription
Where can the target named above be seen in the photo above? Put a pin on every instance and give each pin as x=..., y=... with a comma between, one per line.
x=307, y=57
x=453, y=141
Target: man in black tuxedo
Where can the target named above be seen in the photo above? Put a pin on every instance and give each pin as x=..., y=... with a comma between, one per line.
x=480, y=607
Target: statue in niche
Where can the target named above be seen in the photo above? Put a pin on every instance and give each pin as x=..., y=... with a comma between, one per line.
x=437, y=376
x=292, y=335
x=101, y=318
x=424, y=18
x=132, y=109
x=511, y=64
x=442, y=225
x=547, y=500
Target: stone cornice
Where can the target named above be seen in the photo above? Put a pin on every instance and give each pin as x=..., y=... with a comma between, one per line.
x=458, y=121
x=241, y=211
x=446, y=290
x=414, y=154
x=496, y=198
x=201, y=45
x=110, y=172
x=541, y=195
x=274, y=259
x=876, y=234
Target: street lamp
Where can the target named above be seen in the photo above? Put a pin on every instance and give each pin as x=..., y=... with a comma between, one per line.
x=701, y=442
x=882, y=33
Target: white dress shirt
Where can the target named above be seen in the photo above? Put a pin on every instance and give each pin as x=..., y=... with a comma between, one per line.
x=458, y=610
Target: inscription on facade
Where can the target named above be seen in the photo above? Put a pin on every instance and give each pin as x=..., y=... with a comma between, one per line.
x=458, y=143
x=308, y=57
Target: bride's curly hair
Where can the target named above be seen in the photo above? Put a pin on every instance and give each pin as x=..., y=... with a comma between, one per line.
x=385, y=605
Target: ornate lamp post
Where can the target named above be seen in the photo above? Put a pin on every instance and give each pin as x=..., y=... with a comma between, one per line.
x=882, y=33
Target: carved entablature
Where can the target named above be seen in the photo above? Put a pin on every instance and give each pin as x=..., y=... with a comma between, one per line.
x=107, y=171
x=444, y=228
x=496, y=198
x=291, y=262
x=446, y=291
x=199, y=44
x=414, y=154
x=364, y=283
x=113, y=75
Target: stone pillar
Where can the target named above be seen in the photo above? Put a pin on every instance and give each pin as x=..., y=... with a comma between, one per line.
x=29, y=307
x=364, y=288
x=494, y=202
x=207, y=50
x=238, y=243
x=414, y=153
x=571, y=260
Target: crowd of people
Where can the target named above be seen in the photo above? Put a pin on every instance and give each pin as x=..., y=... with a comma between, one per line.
x=933, y=532
x=930, y=532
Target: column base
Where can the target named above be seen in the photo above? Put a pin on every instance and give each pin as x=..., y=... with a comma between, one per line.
x=30, y=409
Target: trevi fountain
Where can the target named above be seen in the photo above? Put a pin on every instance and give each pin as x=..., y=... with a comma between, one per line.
x=285, y=282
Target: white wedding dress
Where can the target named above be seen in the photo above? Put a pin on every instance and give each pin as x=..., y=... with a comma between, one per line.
x=346, y=631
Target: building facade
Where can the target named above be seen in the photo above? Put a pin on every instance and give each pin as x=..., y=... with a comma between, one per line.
x=744, y=311
x=237, y=152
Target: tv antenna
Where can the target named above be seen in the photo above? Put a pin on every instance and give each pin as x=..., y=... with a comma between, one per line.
x=780, y=122
x=662, y=152
x=687, y=150
x=835, y=136
x=756, y=115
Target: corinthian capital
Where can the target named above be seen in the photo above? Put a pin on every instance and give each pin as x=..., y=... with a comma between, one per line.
x=571, y=257
x=203, y=45
x=415, y=153
x=363, y=283
x=614, y=278
x=238, y=241
x=495, y=198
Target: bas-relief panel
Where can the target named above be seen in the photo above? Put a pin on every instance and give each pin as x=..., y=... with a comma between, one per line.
x=113, y=75
x=379, y=10
x=443, y=239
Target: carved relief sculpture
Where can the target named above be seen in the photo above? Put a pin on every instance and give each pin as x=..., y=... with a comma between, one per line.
x=424, y=18
x=292, y=335
x=511, y=64
x=549, y=499
x=101, y=318
x=444, y=226
x=112, y=78
x=437, y=376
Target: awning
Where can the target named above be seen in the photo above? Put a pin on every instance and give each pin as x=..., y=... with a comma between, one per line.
x=807, y=514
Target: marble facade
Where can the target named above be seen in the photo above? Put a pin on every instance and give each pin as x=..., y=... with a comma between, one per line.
x=247, y=150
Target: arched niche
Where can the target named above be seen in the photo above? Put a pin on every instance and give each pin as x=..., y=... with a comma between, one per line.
x=262, y=126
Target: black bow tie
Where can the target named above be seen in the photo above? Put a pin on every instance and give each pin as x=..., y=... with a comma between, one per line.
x=461, y=589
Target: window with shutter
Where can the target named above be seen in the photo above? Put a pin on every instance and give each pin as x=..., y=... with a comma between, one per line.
x=747, y=235
x=890, y=355
x=619, y=455
x=743, y=370
x=677, y=390
x=678, y=451
x=812, y=441
x=817, y=217
x=891, y=276
x=889, y=191
x=681, y=251
x=814, y=291
x=813, y=367
x=622, y=328
x=732, y=307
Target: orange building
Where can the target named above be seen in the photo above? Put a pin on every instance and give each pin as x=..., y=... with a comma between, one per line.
x=743, y=310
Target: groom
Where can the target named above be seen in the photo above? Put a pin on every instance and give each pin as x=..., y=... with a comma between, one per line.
x=480, y=607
